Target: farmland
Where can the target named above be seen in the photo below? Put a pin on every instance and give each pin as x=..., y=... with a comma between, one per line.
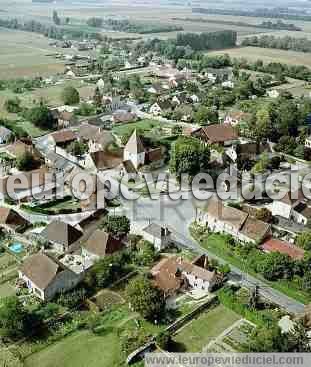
x=267, y=55
x=24, y=54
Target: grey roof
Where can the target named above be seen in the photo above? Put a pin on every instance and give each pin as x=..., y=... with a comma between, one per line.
x=4, y=132
x=156, y=231
x=40, y=269
x=61, y=233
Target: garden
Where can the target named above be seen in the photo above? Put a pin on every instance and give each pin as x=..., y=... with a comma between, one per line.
x=207, y=326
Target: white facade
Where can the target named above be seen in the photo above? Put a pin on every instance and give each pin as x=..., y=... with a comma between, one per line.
x=198, y=284
x=138, y=159
x=158, y=243
x=155, y=109
x=62, y=282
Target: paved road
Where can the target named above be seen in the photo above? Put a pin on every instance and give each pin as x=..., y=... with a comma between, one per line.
x=178, y=215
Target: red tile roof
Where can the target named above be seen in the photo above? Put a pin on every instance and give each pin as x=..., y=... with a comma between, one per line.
x=275, y=245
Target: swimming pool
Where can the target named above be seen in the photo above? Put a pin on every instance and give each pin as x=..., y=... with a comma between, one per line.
x=16, y=247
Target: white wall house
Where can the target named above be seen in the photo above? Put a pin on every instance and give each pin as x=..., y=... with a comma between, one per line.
x=45, y=278
x=155, y=109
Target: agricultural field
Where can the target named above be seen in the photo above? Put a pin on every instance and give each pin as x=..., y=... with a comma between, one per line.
x=24, y=54
x=197, y=334
x=267, y=55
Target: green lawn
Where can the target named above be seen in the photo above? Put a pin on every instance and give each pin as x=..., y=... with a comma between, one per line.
x=142, y=125
x=81, y=349
x=6, y=290
x=199, y=332
x=215, y=243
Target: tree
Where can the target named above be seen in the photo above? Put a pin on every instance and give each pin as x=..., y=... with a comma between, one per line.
x=147, y=254
x=299, y=339
x=77, y=148
x=95, y=22
x=163, y=340
x=41, y=116
x=27, y=162
x=275, y=162
x=264, y=214
x=97, y=98
x=205, y=116
x=145, y=298
x=70, y=95
x=303, y=240
x=190, y=156
x=253, y=299
x=13, y=318
x=56, y=18
x=117, y=225
x=13, y=105
x=275, y=266
x=266, y=340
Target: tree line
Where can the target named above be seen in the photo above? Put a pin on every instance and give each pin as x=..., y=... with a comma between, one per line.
x=50, y=31
x=125, y=25
x=279, y=25
x=280, y=43
x=263, y=13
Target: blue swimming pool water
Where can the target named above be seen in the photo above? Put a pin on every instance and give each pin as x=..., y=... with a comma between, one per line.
x=16, y=247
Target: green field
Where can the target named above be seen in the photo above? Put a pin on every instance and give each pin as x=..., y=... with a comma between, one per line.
x=199, y=332
x=267, y=55
x=142, y=126
x=81, y=349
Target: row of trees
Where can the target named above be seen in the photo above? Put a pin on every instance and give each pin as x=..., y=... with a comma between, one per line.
x=207, y=40
x=125, y=25
x=258, y=13
x=279, y=25
x=51, y=31
x=281, y=43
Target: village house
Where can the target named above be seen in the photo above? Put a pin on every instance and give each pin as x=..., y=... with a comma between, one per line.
x=223, y=134
x=273, y=93
x=159, y=107
x=283, y=247
x=31, y=185
x=45, y=277
x=6, y=135
x=113, y=104
x=19, y=148
x=220, y=218
x=157, y=88
x=159, y=236
x=247, y=151
x=123, y=116
x=11, y=221
x=60, y=235
x=62, y=138
x=101, y=160
x=101, y=244
x=236, y=117
x=97, y=139
x=174, y=274
x=293, y=206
